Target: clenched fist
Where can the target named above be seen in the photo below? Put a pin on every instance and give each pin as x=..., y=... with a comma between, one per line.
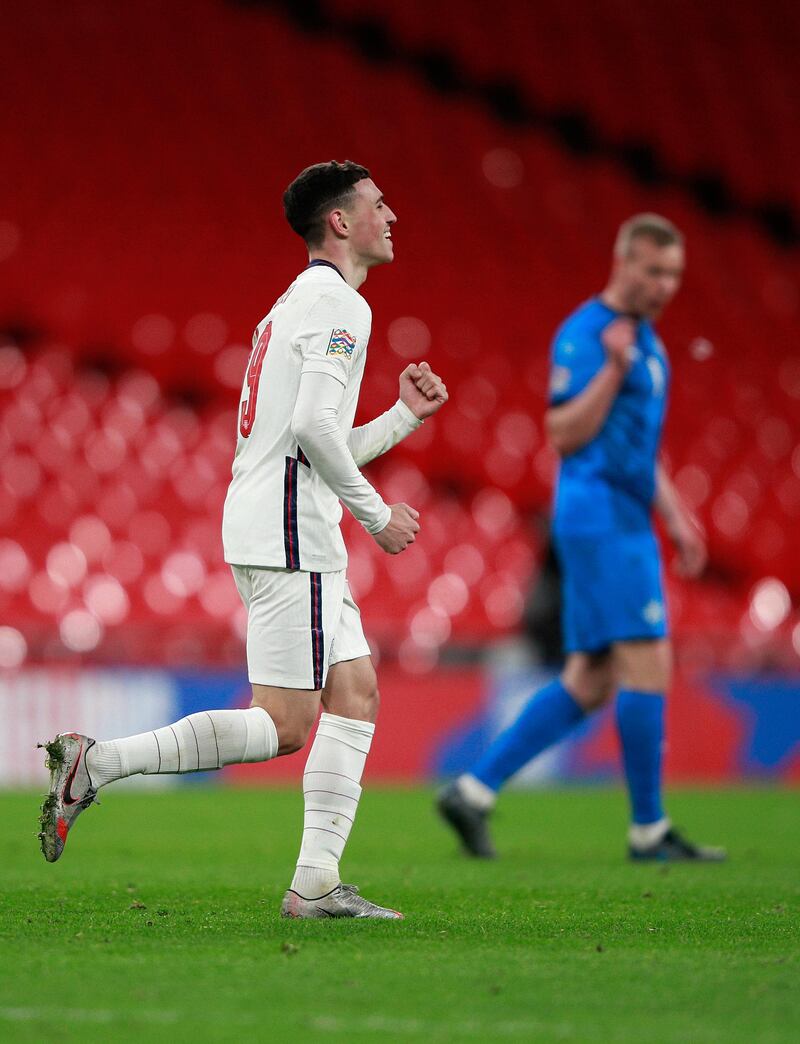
x=423, y=391
x=619, y=341
x=400, y=532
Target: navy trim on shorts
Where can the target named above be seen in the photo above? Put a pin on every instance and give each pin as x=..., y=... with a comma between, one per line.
x=303, y=458
x=290, y=539
x=317, y=635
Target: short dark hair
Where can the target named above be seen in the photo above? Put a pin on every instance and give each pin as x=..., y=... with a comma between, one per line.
x=317, y=190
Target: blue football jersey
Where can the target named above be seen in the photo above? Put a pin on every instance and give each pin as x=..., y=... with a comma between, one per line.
x=609, y=483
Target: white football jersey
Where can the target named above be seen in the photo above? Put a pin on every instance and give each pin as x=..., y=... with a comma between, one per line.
x=278, y=511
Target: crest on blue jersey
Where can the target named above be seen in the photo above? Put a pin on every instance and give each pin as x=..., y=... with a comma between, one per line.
x=341, y=343
x=653, y=612
x=559, y=379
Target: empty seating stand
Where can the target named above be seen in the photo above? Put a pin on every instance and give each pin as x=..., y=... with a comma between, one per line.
x=142, y=239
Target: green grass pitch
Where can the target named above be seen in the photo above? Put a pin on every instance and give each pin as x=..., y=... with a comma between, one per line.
x=161, y=922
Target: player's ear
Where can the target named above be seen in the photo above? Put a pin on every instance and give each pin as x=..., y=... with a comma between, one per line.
x=337, y=219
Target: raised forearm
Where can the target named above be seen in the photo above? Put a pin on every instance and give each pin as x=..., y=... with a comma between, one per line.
x=379, y=435
x=667, y=501
x=572, y=424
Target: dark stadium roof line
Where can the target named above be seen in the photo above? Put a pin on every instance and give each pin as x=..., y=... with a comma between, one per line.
x=573, y=129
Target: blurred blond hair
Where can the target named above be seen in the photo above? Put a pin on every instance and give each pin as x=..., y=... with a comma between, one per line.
x=646, y=226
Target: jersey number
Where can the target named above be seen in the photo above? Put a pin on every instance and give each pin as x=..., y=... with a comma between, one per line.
x=248, y=414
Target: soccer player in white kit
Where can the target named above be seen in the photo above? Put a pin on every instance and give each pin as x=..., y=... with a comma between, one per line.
x=297, y=456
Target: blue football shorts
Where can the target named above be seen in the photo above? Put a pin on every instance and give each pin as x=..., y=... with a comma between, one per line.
x=612, y=589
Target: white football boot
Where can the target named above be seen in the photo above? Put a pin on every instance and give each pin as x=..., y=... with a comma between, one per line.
x=342, y=901
x=71, y=790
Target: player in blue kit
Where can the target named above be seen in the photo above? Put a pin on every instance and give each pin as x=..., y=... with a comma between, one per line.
x=609, y=384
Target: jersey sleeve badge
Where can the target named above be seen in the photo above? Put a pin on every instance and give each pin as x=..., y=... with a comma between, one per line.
x=341, y=343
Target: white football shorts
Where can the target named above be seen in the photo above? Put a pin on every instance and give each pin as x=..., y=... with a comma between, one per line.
x=298, y=625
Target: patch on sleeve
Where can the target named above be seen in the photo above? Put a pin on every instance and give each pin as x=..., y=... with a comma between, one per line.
x=559, y=380
x=341, y=343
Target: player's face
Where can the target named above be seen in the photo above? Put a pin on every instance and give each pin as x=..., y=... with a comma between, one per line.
x=371, y=223
x=650, y=276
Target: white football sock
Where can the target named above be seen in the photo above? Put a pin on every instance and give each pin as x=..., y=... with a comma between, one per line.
x=645, y=835
x=331, y=788
x=200, y=743
x=476, y=793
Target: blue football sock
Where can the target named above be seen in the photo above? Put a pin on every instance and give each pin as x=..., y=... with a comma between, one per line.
x=548, y=716
x=640, y=721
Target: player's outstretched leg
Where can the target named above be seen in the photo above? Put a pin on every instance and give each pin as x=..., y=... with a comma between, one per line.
x=201, y=742
x=651, y=837
x=467, y=803
x=71, y=790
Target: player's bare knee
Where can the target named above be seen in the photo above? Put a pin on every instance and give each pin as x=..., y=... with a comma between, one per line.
x=292, y=738
x=351, y=690
x=370, y=700
x=644, y=666
x=358, y=703
x=293, y=712
x=588, y=679
x=294, y=729
x=594, y=697
x=591, y=694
